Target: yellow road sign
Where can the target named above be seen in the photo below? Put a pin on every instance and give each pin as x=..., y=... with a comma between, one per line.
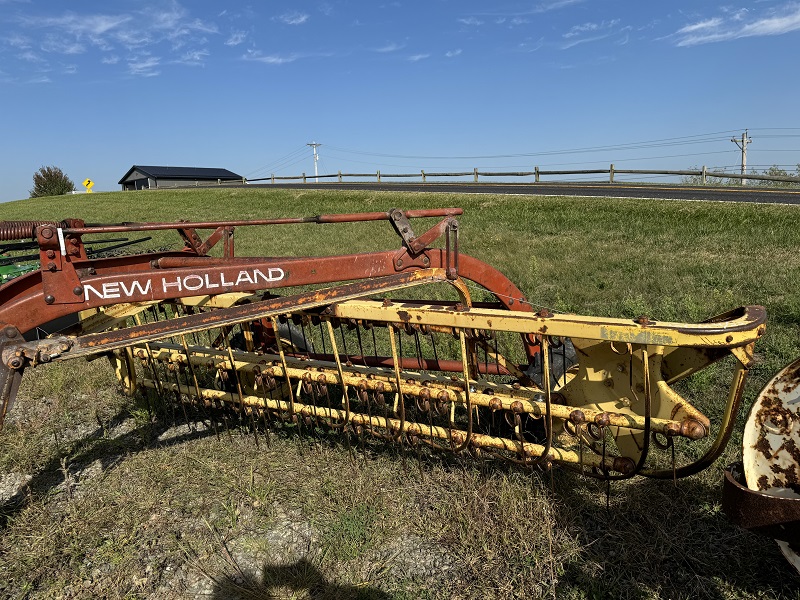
x=88, y=184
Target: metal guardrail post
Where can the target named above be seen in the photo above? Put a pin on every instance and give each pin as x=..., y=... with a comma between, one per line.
x=704, y=175
x=536, y=173
x=423, y=176
x=611, y=174
x=476, y=174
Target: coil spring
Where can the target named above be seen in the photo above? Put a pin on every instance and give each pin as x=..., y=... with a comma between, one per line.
x=23, y=230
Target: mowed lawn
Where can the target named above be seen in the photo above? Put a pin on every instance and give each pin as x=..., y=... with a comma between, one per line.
x=141, y=515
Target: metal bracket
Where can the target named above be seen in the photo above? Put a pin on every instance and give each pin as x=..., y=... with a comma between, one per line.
x=10, y=375
x=402, y=226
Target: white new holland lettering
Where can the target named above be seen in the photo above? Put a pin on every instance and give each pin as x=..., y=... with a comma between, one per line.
x=244, y=277
x=111, y=289
x=194, y=285
x=89, y=288
x=135, y=285
x=210, y=285
x=273, y=274
x=175, y=284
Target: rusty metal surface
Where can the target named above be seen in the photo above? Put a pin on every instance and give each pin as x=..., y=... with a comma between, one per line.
x=771, y=441
x=319, y=219
x=24, y=230
x=69, y=282
x=11, y=373
x=759, y=511
x=119, y=338
x=762, y=493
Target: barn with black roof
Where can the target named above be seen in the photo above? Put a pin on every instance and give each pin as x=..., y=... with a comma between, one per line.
x=141, y=177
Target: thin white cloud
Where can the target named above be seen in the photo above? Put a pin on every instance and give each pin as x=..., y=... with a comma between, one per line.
x=145, y=66
x=578, y=30
x=530, y=45
x=574, y=43
x=237, y=37
x=167, y=29
x=70, y=69
x=30, y=56
x=471, y=21
x=16, y=40
x=270, y=59
x=418, y=57
x=736, y=24
x=193, y=58
x=453, y=53
x=707, y=24
x=554, y=5
x=293, y=18
x=390, y=47
x=62, y=46
x=739, y=15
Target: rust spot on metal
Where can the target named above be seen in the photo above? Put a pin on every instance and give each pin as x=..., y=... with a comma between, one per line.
x=577, y=416
x=602, y=419
x=624, y=465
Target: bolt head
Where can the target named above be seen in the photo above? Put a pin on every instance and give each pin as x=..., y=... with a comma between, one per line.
x=10, y=332
x=49, y=299
x=78, y=290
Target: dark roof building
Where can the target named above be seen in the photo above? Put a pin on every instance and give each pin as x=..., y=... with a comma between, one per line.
x=141, y=177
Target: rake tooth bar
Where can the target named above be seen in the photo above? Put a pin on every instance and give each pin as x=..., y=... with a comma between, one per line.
x=213, y=334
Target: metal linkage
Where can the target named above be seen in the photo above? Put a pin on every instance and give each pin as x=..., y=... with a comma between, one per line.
x=595, y=394
x=605, y=415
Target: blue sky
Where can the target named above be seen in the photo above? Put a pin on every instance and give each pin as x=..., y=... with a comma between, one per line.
x=95, y=87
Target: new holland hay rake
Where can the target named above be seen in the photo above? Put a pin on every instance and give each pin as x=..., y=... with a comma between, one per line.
x=420, y=345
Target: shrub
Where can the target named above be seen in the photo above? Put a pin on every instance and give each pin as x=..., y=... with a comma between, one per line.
x=51, y=181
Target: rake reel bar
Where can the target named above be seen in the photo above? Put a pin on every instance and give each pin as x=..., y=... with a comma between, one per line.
x=424, y=366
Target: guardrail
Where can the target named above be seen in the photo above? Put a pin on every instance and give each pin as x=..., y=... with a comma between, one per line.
x=703, y=174
x=537, y=174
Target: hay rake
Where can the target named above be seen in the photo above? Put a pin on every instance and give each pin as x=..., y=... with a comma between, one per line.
x=421, y=345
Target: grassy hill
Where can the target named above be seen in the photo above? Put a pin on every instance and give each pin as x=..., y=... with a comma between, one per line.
x=102, y=500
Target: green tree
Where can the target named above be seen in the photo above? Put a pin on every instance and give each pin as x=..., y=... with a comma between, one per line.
x=776, y=171
x=51, y=181
x=698, y=179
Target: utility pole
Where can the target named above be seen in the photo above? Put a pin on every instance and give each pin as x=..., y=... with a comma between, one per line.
x=742, y=144
x=316, y=158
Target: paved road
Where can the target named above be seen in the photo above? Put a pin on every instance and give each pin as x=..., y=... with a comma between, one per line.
x=666, y=192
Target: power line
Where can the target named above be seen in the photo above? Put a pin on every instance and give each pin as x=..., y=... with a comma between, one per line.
x=674, y=141
x=288, y=156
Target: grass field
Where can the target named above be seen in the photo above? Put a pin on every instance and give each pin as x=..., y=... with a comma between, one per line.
x=100, y=500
